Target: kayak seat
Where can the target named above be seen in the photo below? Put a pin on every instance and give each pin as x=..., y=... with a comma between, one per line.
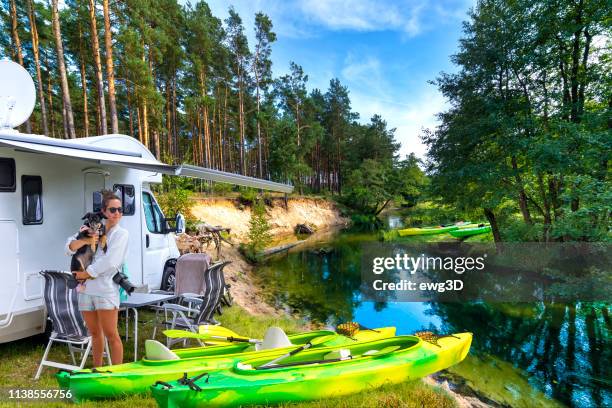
x=154, y=350
x=275, y=337
x=340, y=354
x=370, y=353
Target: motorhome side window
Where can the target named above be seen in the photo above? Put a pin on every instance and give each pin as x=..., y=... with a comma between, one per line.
x=8, y=182
x=153, y=215
x=31, y=200
x=126, y=193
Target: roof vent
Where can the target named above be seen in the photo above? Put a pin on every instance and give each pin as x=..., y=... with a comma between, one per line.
x=17, y=95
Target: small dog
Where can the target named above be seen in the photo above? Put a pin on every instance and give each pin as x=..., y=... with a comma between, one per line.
x=84, y=255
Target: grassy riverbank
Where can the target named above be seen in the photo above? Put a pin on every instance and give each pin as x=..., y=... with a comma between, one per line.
x=19, y=361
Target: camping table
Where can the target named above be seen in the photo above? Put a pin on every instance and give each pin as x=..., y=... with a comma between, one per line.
x=137, y=300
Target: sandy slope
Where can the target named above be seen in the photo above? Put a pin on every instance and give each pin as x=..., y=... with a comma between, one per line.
x=227, y=213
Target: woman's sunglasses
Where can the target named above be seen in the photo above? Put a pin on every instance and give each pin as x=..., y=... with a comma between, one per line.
x=115, y=209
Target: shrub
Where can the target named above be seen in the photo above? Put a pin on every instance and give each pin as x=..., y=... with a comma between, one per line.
x=175, y=201
x=259, y=231
x=248, y=196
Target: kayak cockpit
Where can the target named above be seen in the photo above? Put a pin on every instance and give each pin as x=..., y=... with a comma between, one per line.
x=324, y=355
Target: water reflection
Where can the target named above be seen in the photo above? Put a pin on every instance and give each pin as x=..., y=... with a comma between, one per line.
x=565, y=348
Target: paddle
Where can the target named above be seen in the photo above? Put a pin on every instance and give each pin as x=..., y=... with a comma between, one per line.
x=217, y=331
x=314, y=342
x=372, y=353
x=181, y=334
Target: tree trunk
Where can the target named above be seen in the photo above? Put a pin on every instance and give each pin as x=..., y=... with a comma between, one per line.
x=201, y=143
x=494, y=227
x=139, y=123
x=213, y=131
x=259, y=147
x=229, y=147
x=145, y=124
x=241, y=125
x=102, y=129
x=62, y=70
x=110, y=73
x=221, y=127
x=50, y=96
x=575, y=64
x=35, y=52
x=206, y=118
x=522, y=196
x=174, y=121
x=168, y=120
x=155, y=134
x=85, y=107
x=546, y=203
x=17, y=45
x=129, y=105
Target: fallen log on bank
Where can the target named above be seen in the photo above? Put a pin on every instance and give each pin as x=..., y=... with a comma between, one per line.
x=280, y=248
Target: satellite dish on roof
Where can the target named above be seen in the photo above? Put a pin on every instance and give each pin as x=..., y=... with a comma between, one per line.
x=17, y=94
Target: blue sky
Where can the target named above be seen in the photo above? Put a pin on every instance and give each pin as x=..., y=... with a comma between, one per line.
x=384, y=51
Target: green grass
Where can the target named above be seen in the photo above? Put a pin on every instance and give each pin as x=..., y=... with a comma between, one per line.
x=19, y=361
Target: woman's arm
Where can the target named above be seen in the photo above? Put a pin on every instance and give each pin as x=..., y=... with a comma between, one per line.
x=73, y=244
x=111, y=261
x=77, y=244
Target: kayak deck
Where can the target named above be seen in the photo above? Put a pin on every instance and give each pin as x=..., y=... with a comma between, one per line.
x=425, y=231
x=468, y=232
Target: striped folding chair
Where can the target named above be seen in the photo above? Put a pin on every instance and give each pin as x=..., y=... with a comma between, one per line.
x=207, y=302
x=67, y=323
x=214, y=290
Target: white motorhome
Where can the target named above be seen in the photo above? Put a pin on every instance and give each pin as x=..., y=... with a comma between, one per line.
x=47, y=184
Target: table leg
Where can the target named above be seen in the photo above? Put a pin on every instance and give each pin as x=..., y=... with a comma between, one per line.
x=135, y=334
x=127, y=324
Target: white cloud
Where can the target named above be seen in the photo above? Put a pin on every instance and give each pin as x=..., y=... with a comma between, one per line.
x=409, y=116
x=364, y=15
x=305, y=18
x=364, y=72
x=286, y=20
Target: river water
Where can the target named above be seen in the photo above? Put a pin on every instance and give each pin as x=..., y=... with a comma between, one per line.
x=536, y=354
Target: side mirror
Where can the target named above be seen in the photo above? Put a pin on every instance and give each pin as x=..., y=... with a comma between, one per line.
x=179, y=223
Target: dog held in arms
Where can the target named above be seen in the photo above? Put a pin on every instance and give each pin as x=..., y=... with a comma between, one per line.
x=84, y=255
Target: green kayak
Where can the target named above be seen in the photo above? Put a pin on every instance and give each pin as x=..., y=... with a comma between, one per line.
x=136, y=377
x=468, y=232
x=425, y=231
x=316, y=373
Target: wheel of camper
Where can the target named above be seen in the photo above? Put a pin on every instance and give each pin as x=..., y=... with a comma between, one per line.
x=169, y=278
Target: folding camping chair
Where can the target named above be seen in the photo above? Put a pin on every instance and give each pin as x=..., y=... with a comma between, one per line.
x=67, y=323
x=188, y=283
x=207, y=299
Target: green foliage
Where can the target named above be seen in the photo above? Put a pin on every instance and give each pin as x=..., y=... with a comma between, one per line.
x=248, y=196
x=525, y=127
x=175, y=197
x=222, y=188
x=258, y=236
x=371, y=186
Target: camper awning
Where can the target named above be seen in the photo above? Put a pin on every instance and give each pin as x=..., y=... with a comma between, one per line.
x=204, y=173
x=77, y=149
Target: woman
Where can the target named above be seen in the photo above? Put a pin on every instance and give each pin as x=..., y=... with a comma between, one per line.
x=99, y=299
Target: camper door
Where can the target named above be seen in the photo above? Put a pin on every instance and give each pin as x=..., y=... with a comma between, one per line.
x=155, y=250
